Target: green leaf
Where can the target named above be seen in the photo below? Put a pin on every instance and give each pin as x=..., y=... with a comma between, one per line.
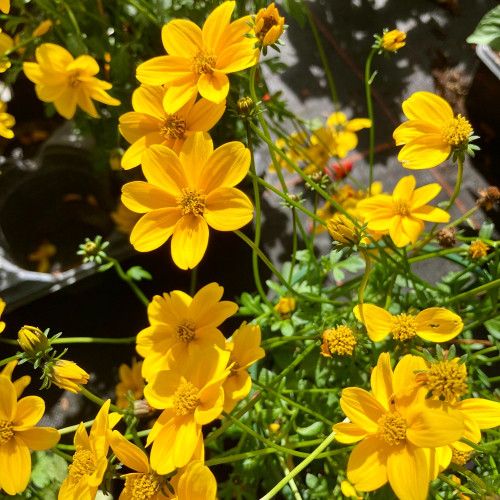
x=493, y=327
x=311, y=430
x=105, y=267
x=294, y=8
x=487, y=31
x=486, y=229
x=287, y=328
x=137, y=273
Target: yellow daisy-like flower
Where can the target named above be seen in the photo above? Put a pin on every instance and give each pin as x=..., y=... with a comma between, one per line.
x=402, y=214
x=67, y=375
x=6, y=121
x=66, y=81
x=393, y=40
x=6, y=43
x=199, y=60
x=431, y=133
x=400, y=431
x=339, y=340
x=285, y=305
x=180, y=324
x=435, y=324
x=478, y=249
x=269, y=25
x=190, y=395
x=245, y=351
x=86, y=472
x=130, y=380
x=5, y=6
x=187, y=193
x=149, y=123
x=18, y=435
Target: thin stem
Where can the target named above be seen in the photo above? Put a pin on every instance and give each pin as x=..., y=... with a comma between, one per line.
x=456, y=486
x=8, y=360
x=125, y=277
x=473, y=292
x=73, y=428
x=292, y=484
x=192, y=281
x=273, y=340
x=468, y=474
x=369, y=106
x=460, y=174
x=239, y=456
x=94, y=340
x=97, y=400
x=66, y=457
x=366, y=275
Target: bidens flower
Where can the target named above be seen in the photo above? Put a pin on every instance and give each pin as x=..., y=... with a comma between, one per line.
x=431, y=133
x=339, y=340
x=393, y=40
x=200, y=60
x=269, y=25
x=187, y=193
x=67, y=82
x=66, y=375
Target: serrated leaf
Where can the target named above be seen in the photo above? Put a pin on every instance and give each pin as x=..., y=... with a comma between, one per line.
x=137, y=273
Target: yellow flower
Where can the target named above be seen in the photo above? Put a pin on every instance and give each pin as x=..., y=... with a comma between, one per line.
x=5, y=6
x=269, y=25
x=402, y=214
x=187, y=193
x=124, y=219
x=66, y=375
x=130, y=380
x=478, y=249
x=245, y=351
x=67, y=82
x=21, y=383
x=149, y=123
x=6, y=121
x=18, y=435
x=435, y=324
x=42, y=28
x=339, y=340
x=285, y=305
x=200, y=60
x=86, y=472
x=195, y=481
x=2, y=323
x=349, y=491
x=399, y=431
x=32, y=340
x=431, y=133
x=6, y=43
x=393, y=40
x=180, y=325
x=343, y=230
x=190, y=395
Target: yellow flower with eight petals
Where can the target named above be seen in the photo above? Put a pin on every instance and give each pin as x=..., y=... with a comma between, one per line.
x=18, y=435
x=200, y=60
x=66, y=81
x=187, y=193
x=431, y=133
x=434, y=324
x=403, y=213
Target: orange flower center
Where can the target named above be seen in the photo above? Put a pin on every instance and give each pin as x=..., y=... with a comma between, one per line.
x=339, y=341
x=457, y=131
x=83, y=464
x=186, y=399
x=141, y=486
x=392, y=428
x=447, y=379
x=173, y=127
x=191, y=202
x=6, y=431
x=404, y=327
x=203, y=62
x=74, y=79
x=269, y=22
x=478, y=249
x=400, y=207
x=185, y=331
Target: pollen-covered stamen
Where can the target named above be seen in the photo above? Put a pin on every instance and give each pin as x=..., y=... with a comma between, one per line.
x=269, y=22
x=141, y=486
x=392, y=428
x=404, y=327
x=74, y=79
x=83, y=464
x=6, y=431
x=186, y=399
x=457, y=131
x=191, y=202
x=340, y=340
x=400, y=207
x=447, y=379
x=203, y=62
x=185, y=330
x=460, y=457
x=173, y=127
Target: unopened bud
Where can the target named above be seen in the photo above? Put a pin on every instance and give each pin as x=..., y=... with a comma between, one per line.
x=344, y=231
x=32, y=340
x=245, y=106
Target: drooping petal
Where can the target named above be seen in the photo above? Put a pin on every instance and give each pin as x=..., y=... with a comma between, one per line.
x=39, y=438
x=214, y=87
x=154, y=229
x=182, y=38
x=412, y=228
x=378, y=321
x=361, y=408
x=189, y=241
x=437, y=324
x=15, y=466
x=216, y=25
x=424, y=152
x=428, y=107
x=413, y=129
x=423, y=195
x=142, y=197
x=381, y=379
x=228, y=209
x=347, y=433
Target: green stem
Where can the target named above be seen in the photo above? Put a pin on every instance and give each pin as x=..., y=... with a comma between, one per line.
x=469, y=474
x=438, y=253
x=463, y=217
x=8, y=360
x=458, y=184
x=291, y=484
x=294, y=244
x=125, y=277
x=369, y=106
x=66, y=457
x=366, y=275
x=94, y=340
x=473, y=292
x=273, y=340
x=97, y=400
x=239, y=456
x=73, y=428
x=315, y=454
x=456, y=486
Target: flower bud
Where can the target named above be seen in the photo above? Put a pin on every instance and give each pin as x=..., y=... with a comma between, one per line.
x=66, y=375
x=393, y=40
x=343, y=230
x=32, y=340
x=245, y=106
x=269, y=25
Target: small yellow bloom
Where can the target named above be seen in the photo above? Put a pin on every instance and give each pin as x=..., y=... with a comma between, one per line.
x=339, y=340
x=6, y=121
x=435, y=324
x=269, y=25
x=67, y=82
x=5, y=6
x=32, y=340
x=2, y=323
x=186, y=194
x=431, y=133
x=343, y=230
x=402, y=214
x=42, y=28
x=6, y=43
x=349, y=491
x=18, y=435
x=130, y=380
x=66, y=375
x=285, y=305
x=42, y=255
x=393, y=40
x=478, y=249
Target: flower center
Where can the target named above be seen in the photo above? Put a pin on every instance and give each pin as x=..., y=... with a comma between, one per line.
x=457, y=131
x=339, y=341
x=392, y=428
x=6, y=431
x=173, y=127
x=186, y=399
x=83, y=464
x=400, y=207
x=404, y=327
x=141, y=486
x=74, y=79
x=269, y=22
x=185, y=331
x=459, y=457
x=447, y=379
x=191, y=202
x=203, y=62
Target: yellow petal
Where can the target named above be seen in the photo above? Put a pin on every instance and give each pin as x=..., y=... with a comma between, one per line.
x=216, y=25
x=346, y=432
x=413, y=129
x=53, y=57
x=65, y=104
x=404, y=188
x=15, y=466
x=211, y=403
x=228, y=209
x=154, y=229
x=204, y=115
x=431, y=214
x=206, y=308
x=484, y=412
x=161, y=167
x=234, y=33
x=378, y=321
x=396, y=232
x=182, y=38
x=412, y=228
x=39, y=438
x=423, y=195
x=164, y=69
x=428, y=107
x=142, y=197
x=361, y=408
x=437, y=324
x=148, y=99
x=134, y=125
x=161, y=389
x=358, y=124
x=197, y=481
x=81, y=439
x=238, y=57
x=381, y=379
x=193, y=156
x=246, y=349
x=84, y=64
x=237, y=385
x=29, y=411
x=133, y=155
x=213, y=87
x=8, y=399
x=404, y=372
x=180, y=93
x=186, y=441
x=190, y=241
x=424, y=152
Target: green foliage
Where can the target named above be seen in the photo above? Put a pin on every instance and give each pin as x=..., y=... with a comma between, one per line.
x=487, y=31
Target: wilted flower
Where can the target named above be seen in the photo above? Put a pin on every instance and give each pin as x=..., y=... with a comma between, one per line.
x=446, y=237
x=393, y=40
x=66, y=375
x=489, y=197
x=478, y=249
